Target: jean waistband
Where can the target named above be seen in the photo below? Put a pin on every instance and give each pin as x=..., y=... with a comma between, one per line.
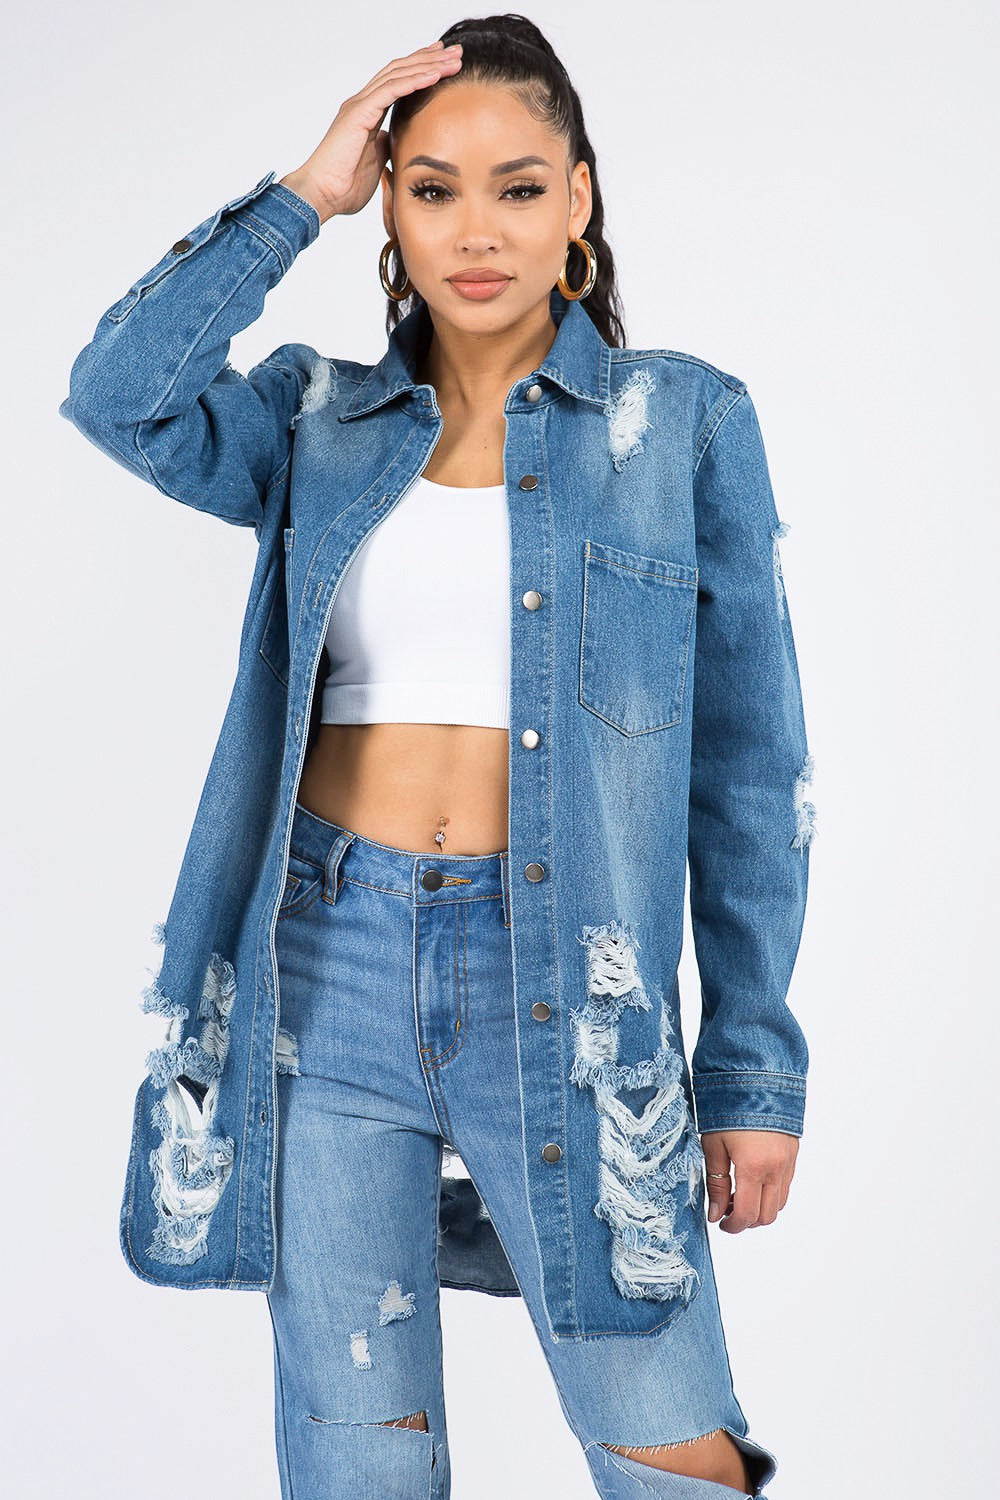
x=425, y=878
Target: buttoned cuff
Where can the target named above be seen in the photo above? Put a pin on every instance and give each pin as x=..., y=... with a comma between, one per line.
x=750, y=1101
x=280, y=217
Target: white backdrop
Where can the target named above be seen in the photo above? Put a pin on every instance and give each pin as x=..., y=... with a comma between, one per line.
x=803, y=195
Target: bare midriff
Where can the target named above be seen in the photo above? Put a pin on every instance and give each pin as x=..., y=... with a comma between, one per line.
x=396, y=782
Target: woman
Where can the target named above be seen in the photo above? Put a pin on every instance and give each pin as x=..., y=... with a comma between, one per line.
x=402, y=930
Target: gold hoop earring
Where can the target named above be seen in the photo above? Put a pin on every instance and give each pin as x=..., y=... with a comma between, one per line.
x=589, y=279
x=383, y=273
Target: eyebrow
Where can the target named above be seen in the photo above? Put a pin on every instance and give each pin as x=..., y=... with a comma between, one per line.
x=500, y=170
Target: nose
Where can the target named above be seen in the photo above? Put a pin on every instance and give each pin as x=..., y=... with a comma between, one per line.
x=477, y=238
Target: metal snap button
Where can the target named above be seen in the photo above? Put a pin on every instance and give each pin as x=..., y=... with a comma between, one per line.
x=530, y=738
x=181, y=245
x=541, y=1010
x=533, y=392
x=432, y=880
x=532, y=599
x=551, y=1152
x=534, y=872
x=529, y=481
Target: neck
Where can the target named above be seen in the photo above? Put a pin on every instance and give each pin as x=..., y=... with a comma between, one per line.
x=472, y=370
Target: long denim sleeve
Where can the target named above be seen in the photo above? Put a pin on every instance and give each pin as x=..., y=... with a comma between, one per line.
x=154, y=388
x=750, y=824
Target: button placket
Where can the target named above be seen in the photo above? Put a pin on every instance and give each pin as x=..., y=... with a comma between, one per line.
x=532, y=600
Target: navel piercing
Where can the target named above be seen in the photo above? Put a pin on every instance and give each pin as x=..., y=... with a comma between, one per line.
x=439, y=836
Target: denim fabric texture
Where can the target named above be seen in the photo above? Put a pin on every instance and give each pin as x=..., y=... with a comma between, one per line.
x=656, y=726
x=397, y=1041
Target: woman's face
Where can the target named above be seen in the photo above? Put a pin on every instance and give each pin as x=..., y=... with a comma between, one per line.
x=460, y=198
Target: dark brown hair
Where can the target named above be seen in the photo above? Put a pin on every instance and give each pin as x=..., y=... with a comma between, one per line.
x=510, y=49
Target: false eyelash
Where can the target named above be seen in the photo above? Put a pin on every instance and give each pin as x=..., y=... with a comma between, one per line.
x=534, y=189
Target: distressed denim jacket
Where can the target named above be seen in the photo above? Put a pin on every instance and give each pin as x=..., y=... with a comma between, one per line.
x=656, y=726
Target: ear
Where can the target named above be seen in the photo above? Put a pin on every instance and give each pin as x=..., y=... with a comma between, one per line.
x=581, y=201
x=387, y=215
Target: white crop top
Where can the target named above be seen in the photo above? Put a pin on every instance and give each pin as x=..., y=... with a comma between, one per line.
x=420, y=630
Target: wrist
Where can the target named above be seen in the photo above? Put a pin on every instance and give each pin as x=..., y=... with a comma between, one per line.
x=300, y=182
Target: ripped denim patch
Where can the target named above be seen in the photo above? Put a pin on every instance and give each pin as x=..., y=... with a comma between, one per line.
x=645, y=1157
x=191, y=1165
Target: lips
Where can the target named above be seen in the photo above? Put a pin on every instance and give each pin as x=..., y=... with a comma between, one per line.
x=478, y=276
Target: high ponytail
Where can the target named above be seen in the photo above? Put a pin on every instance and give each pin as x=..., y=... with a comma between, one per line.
x=510, y=49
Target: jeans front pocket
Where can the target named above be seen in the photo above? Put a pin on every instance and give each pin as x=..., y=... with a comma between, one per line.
x=303, y=883
x=637, y=618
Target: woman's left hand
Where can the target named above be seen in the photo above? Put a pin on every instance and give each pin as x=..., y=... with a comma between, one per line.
x=765, y=1165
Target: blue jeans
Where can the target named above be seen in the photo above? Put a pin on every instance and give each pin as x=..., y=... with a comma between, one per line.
x=397, y=1038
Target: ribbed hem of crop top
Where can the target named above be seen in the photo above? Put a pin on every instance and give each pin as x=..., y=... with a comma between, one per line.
x=417, y=703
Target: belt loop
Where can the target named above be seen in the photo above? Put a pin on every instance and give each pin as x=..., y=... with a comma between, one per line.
x=338, y=849
x=505, y=887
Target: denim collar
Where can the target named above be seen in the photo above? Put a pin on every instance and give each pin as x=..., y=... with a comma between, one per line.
x=579, y=360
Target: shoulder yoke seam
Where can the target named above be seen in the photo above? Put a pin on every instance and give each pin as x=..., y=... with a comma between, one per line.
x=720, y=411
x=731, y=382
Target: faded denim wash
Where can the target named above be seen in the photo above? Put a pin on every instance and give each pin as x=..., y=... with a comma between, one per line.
x=656, y=727
x=396, y=1047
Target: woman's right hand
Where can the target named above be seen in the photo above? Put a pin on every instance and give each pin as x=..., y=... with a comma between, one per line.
x=343, y=172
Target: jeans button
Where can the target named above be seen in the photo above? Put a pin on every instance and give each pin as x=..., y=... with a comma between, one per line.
x=529, y=481
x=541, y=1010
x=533, y=392
x=551, y=1152
x=432, y=880
x=532, y=599
x=534, y=872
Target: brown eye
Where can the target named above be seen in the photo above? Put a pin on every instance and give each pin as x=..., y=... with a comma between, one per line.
x=419, y=189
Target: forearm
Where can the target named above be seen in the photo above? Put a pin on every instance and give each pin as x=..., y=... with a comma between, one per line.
x=749, y=827
x=154, y=389
x=168, y=336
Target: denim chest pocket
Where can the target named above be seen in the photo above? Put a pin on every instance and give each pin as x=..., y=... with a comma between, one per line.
x=637, y=618
x=304, y=881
